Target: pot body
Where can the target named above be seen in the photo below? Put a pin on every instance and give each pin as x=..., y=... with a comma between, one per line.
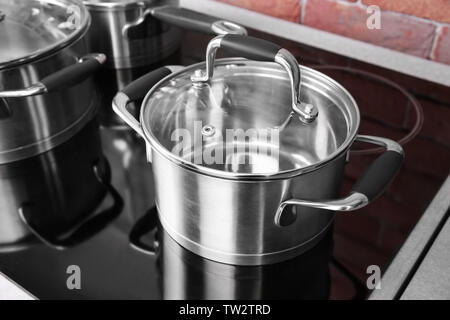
x=233, y=202
x=32, y=125
x=128, y=59
x=57, y=188
x=233, y=221
x=155, y=42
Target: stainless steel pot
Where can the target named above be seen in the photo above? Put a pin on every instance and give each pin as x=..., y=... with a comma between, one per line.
x=251, y=206
x=136, y=33
x=136, y=36
x=45, y=93
x=56, y=197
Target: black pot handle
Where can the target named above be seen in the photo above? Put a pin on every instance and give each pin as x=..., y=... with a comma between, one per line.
x=183, y=18
x=378, y=175
x=87, y=228
x=137, y=90
x=62, y=79
x=371, y=184
x=250, y=47
x=261, y=50
x=146, y=224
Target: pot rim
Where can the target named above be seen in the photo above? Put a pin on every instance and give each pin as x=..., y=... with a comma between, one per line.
x=93, y=5
x=285, y=174
x=57, y=46
x=48, y=143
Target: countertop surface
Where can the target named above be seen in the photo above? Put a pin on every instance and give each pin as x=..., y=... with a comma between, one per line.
x=11, y=291
x=420, y=268
x=432, y=278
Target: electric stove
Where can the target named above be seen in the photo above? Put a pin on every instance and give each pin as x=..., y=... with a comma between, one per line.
x=133, y=258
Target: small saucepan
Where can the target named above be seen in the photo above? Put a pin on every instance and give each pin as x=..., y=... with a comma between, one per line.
x=249, y=154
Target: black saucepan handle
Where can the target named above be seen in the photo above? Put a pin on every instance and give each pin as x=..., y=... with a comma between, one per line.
x=73, y=74
x=61, y=79
x=137, y=89
x=89, y=227
x=250, y=47
x=371, y=184
x=374, y=180
x=195, y=21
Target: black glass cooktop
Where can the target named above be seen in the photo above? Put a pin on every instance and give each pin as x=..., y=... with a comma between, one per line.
x=133, y=258
x=93, y=231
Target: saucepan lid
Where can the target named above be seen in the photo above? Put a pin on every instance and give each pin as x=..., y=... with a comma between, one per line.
x=32, y=28
x=245, y=118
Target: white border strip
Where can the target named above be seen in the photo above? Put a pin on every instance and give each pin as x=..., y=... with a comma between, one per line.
x=366, y=52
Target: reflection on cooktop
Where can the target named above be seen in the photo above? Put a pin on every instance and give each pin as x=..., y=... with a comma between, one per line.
x=184, y=275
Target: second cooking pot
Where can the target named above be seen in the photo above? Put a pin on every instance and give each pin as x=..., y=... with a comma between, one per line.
x=45, y=94
x=136, y=33
x=249, y=156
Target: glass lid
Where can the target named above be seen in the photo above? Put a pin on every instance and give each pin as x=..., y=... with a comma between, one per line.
x=30, y=28
x=241, y=122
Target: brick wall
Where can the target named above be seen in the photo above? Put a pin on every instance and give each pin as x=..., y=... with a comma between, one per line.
x=417, y=27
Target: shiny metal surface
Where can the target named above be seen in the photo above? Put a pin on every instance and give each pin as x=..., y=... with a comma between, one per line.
x=108, y=82
x=225, y=212
x=352, y=202
x=233, y=221
x=33, y=90
x=250, y=213
x=115, y=4
x=388, y=144
x=40, y=88
x=185, y=275
x=251, y=95
x=128, y=32
x=157, y=41
x=306, y=112
x=284, y=58
x=38, y=123
x=226, y=27
x=119, y=106
x=120, y=102
x=31, y=29
x=58, y=189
